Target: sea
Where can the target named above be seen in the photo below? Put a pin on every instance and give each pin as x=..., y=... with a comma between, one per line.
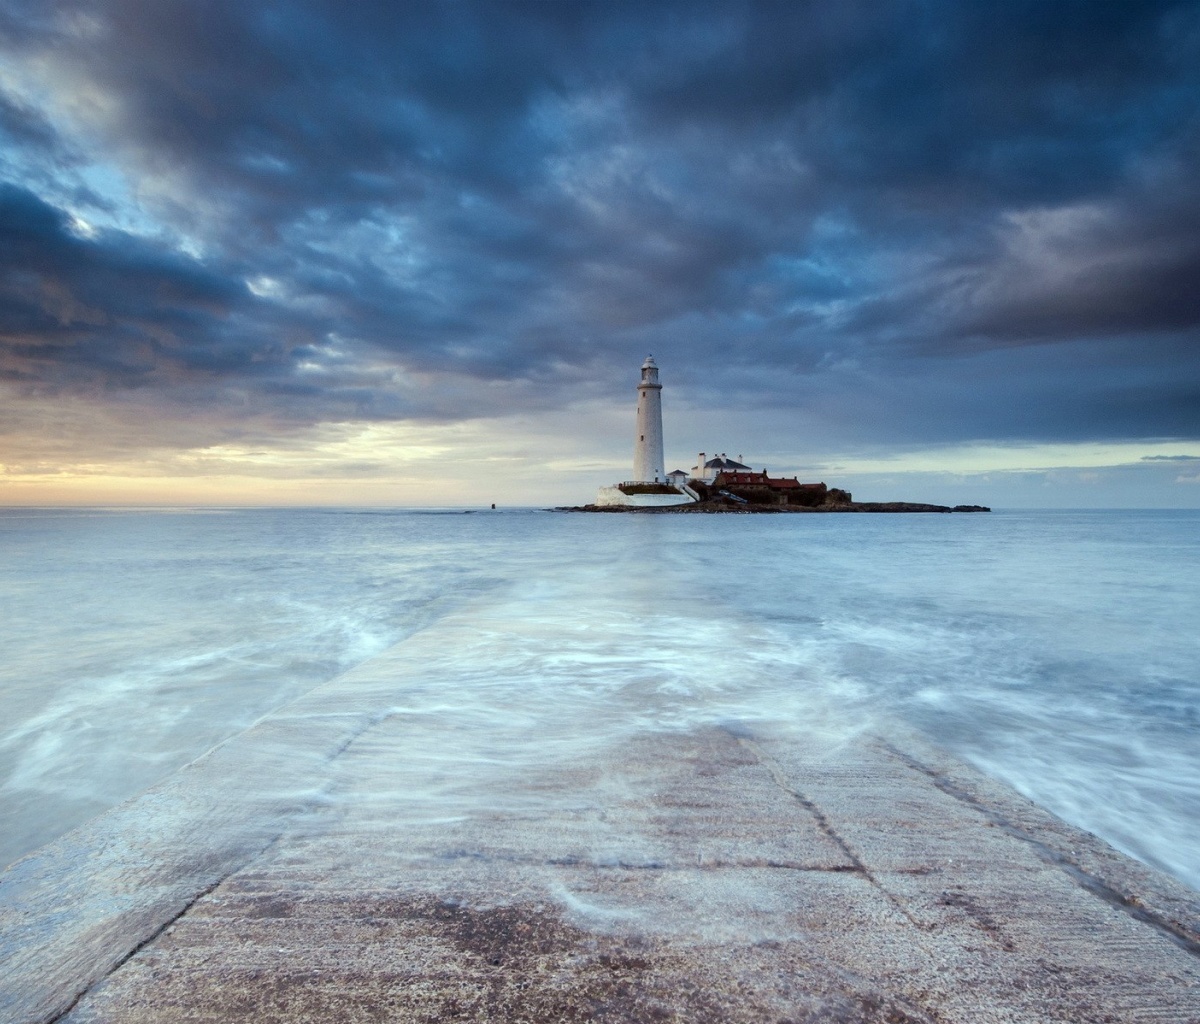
x=1056, y=650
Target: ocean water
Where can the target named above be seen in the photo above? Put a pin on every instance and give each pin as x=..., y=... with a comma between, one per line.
x=1056, y=650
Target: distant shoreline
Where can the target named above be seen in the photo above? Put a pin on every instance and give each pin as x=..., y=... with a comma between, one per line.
x=720, y=507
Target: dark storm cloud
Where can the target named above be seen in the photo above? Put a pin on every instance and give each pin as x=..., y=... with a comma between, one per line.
x=21, y=125
x=111, y=307
x=56, y=284
x=790, y=203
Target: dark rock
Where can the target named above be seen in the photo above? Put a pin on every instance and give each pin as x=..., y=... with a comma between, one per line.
x=724, y=505
x=898, y=506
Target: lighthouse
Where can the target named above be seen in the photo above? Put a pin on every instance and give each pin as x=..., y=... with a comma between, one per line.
x=650, y=485
x=648, y=466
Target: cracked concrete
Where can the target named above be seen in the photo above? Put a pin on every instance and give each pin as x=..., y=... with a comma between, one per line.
x=692, y=876
x=365, y=855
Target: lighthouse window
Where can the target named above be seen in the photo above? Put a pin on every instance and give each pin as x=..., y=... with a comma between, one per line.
x=641, y=437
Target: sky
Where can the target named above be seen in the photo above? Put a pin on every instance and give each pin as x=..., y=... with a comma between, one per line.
x=371, y=253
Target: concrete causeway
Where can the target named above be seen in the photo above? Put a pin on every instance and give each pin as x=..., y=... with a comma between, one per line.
x=713, y=875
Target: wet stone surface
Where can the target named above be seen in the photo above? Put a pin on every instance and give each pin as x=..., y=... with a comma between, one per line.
x=433, y=960
x=703, y=876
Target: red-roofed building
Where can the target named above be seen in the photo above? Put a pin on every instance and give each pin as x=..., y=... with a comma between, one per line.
x=767, y=490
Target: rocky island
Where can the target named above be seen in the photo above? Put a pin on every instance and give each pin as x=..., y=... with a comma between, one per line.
x=750, y=493
x=727, y=505
x=720, y=484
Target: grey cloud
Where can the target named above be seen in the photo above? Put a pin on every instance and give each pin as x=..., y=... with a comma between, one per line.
x=113, y=302
x=790, y=203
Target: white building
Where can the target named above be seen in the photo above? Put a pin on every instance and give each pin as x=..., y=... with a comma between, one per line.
x=708, y=470
x=648, y=465
x=649, y=484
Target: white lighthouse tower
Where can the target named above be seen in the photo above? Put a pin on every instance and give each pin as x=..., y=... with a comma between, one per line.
x=650, y=485
x=648, y=466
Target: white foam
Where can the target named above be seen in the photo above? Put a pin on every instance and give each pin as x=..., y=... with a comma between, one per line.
x=537, y=640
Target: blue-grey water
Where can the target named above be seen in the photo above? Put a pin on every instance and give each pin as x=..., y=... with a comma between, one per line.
x=1056, y=650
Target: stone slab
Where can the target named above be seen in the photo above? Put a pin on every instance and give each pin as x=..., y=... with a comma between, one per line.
x=720, y=874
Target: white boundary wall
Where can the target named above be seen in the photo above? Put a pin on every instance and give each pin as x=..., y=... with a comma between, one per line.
x=615, y=496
